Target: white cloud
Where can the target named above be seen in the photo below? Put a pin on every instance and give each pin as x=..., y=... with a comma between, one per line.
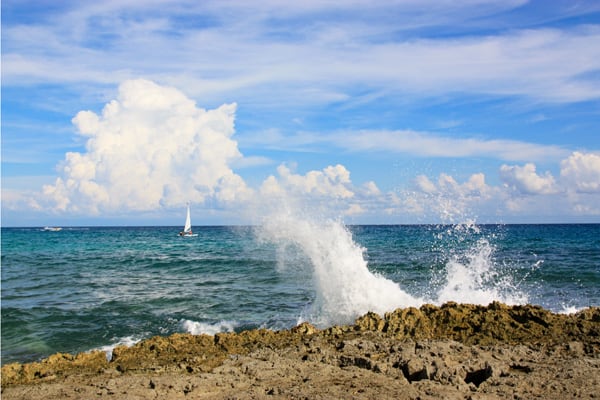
x=371, y=189
x=426, y=144
x=150, y=147
x=525, y=195
x=447, y=199
x=425, y=185
x=476, y=184
x=447, y=185
x=310, y=50
x=326, y=193
x=417, y=143
x=526, y=180
x=331, y=182
x=575, y=193
x=581, y=172
x=354, y=209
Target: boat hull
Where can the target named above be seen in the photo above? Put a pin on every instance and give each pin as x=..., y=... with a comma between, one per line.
x=188, y=234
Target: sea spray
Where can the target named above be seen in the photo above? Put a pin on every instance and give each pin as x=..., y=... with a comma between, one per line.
x=470, y=273
x=198, y=328
x=344, y=286
x=127, y=341
x=465, y=270
x=474, y=277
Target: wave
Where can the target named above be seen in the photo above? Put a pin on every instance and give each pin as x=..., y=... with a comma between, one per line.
x=474, y=277
x=345, y=288
x=198, y=328
x=127, y=341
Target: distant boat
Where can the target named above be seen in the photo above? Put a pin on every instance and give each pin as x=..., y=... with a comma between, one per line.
x=52, y=229
x=187, y=229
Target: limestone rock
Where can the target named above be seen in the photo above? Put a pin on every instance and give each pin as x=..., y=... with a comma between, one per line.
x=398, y=345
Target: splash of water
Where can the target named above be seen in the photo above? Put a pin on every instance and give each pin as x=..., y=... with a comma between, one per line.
x=470, y=275
x=127, y=341
x=344, y=286
x=475, y=278
x=197, y=328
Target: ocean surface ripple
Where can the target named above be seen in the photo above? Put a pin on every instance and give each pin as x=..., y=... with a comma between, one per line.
x=93, y=288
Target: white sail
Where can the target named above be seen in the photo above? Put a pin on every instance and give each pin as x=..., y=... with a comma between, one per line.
x=188, y=221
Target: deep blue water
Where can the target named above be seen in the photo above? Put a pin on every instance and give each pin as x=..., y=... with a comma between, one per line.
x=87, y=288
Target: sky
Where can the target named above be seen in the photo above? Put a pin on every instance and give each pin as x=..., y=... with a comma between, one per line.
x=372, y=112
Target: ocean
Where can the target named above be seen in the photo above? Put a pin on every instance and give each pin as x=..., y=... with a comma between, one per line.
x=88, y=288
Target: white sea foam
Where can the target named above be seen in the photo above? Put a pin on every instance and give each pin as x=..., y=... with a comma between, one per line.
x=127, y=341
x=193, y=327
x=570, y=309
x=198, y=328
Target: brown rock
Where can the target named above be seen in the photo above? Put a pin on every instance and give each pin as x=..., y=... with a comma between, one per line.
x=453, y=351
x=415, y=369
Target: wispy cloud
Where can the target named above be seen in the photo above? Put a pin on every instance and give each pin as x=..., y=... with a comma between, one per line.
x=415, y=143
x=431, y=145
x=318, y=82
x=233, y=49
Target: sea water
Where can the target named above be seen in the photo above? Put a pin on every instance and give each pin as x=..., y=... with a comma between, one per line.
x=94, y=288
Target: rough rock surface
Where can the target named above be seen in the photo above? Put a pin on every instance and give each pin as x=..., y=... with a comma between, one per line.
x=455, y=351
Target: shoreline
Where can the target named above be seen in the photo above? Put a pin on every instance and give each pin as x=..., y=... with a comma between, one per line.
x=451, y=351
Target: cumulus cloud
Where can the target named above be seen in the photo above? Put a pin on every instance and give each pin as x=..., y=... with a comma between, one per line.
x=447, y=199
x=575, y=192
x=152, y=147
x=331, y=182
x=149, y=148
x=526, y=180
x=325, y=193
x=370, y=189
x=474, y=186
x=425, y=185
x=581, y=172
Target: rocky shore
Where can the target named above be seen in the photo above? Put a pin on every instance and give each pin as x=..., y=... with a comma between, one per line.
x=455, y=351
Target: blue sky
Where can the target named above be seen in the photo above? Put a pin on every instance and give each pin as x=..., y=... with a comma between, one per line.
x=120, y=112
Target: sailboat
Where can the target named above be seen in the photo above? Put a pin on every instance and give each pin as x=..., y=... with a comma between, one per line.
x=52, y=229
x=187, y=229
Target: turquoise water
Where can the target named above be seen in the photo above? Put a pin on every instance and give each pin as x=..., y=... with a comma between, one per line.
x=93, y=288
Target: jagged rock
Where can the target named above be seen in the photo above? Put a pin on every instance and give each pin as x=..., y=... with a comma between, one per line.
x=479, y=375
x=474, y=324
x=370, y=322
x=466, y=346
x=415, y=370
x=305, y=329
x=56, y=365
